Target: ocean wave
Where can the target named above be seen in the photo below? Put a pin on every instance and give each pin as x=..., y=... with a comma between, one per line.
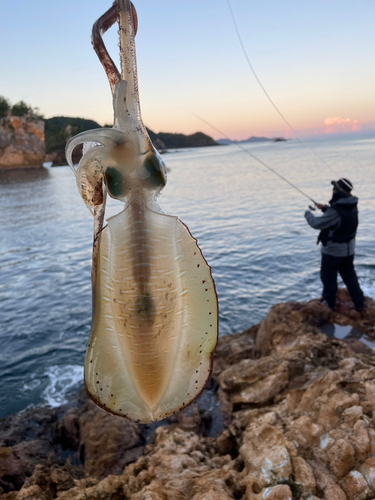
x=62, y=379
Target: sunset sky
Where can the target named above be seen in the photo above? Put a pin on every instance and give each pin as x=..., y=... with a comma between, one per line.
x=314, y=57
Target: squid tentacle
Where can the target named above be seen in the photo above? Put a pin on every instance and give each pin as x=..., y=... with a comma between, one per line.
x=106, y=137
x=100, y=27
x=106, y=21
x=90, y=173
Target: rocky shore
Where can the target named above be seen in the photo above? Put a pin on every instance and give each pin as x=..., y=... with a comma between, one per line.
x=289, y=414
x=21, y=142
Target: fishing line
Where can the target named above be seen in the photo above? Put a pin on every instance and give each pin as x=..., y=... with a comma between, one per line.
x=255, y=158
x=268, y=96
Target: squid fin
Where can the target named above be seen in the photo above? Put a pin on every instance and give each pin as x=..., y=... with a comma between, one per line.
x=154, y=326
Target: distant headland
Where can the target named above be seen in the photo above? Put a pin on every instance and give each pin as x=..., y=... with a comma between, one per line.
x=59, y=129
x=253, y=138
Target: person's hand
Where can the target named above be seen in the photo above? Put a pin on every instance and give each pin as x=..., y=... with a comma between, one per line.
x=319, y=205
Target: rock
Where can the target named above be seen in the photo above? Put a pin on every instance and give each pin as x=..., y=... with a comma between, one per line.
x=340, y=458
x=357, y=346
x=180, y=464
x=94, y=440
x=107, y=442
x=281, y=492
x=13, y=469
x=21, y=142
x=346, y=315
x=34, y=492
x=283, y=318
x=355, y=486
x=304, y=477
x=255, y=381
x=47, y=481
x=232, y=349
x=25, y=440
x=334, y=492
x=300, y=423
x=266, y=455
x=368, y=471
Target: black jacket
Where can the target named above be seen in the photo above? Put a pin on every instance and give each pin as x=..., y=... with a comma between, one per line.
x=346, y=229
x=338, y=226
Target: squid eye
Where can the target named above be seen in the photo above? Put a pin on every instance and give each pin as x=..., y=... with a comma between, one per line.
x=115, y=182
x=155, y=167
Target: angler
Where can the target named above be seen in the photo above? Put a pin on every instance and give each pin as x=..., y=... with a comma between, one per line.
x=338, y=227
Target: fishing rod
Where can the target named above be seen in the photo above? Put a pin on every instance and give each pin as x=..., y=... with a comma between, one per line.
x=271, y=101
x=258, y=159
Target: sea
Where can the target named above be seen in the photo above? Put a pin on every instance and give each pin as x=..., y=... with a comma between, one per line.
x=249, y=224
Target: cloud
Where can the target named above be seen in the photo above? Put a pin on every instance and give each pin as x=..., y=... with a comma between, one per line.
x=369, y=127
x=337, y=125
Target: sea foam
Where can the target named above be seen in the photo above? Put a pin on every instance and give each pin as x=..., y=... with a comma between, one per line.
x=62, y=379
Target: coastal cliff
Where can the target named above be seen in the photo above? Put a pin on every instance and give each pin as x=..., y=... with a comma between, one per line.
x=289, y=414
x=21, y=142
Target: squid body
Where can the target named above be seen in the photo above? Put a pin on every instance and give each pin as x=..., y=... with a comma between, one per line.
x=155, y=314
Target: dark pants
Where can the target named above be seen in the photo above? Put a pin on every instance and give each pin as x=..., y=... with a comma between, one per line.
x=328, y=274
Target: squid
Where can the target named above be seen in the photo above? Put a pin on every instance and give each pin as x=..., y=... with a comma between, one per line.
x=155, y=312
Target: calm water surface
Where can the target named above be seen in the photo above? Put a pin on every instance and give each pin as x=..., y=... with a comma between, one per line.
x=249, y=225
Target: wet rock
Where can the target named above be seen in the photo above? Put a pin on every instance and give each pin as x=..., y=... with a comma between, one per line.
x=13, y=469
x=346, y=315
x=357, y=346
x=85, y=435
x=231, y=349
x=25, y=440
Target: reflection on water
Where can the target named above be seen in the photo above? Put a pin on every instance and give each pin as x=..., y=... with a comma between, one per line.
x=341, y=332
x=22, y=175
x=249, y=225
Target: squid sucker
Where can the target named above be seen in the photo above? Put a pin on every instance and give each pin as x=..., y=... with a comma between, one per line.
x=155, y=312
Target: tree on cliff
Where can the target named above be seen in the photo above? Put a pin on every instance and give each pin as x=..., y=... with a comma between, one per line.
x=19, y=109
x=59, y=129
x=4, y=106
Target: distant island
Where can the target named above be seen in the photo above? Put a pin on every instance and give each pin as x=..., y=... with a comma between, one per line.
x=253, y=138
